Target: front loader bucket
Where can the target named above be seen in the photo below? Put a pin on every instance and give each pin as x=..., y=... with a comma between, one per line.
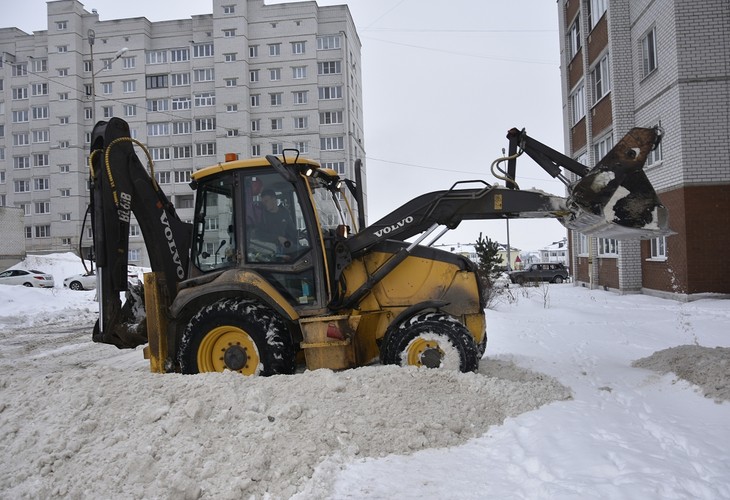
x=615, y=199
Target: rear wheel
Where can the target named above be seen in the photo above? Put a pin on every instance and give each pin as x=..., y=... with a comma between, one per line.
x=75, y=285
x=434, y=340
x=28, y=284
x=558, y=279
x=237, y=335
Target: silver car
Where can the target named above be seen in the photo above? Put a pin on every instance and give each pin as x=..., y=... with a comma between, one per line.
x=32, y=277
x=85, y=281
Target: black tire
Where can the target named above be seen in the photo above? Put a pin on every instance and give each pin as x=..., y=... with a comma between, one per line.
x=238, y=335
x=75, y=285
x=28, y=284
x=520, y=280
x=482, y=346
x=433, y=340
x=558, y=279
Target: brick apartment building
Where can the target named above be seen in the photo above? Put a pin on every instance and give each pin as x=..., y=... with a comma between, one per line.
x=629, y=63
x=249, y=78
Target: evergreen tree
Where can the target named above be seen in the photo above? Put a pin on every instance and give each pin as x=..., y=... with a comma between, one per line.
x=488, y=253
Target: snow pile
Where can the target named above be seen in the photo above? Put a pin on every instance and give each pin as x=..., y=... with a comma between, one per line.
x=702, y=366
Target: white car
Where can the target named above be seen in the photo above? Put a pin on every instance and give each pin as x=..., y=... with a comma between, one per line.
x=81, y=281
x=32, y=277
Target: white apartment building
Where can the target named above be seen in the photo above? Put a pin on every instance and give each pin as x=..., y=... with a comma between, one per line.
x=250, y=78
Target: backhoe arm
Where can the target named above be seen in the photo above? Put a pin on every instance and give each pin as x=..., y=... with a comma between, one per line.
x=121, y=186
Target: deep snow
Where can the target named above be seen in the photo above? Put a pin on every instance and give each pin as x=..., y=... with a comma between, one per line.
x=560, y=408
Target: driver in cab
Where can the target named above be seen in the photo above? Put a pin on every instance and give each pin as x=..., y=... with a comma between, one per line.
x=276, y=223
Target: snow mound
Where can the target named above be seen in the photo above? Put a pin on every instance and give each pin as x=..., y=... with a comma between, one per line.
x=142, y=435
x=705, y=367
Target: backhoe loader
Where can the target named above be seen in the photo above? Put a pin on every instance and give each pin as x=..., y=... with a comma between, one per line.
x=236, y=289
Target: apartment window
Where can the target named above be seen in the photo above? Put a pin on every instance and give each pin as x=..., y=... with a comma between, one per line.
x=64, y=144
x=179, y=152
x=229, y=9
x=204, y=124
x=106, y=88
x=300, y=96
x=20, y=93
x=39, y=89
x=274, y=49
x=130, y=110
x=203, y=50
x=607, y=247
x=157, y=105
x=255, y=125
x=182, y=128
x=180, y=55
x=275, y=74
x=64, y=169
x=21, y=186
x=62, y=48
x=329, y=68
x=253, y=75
x=41, y=184
x=20, y=69
x=42, y=207
x=42, y=135
x=300, y=122
x=156, y=81
x=298, y=47
x=184, y=201
x=66, y=217
x=40, y=160
x=65, y=193
x=277, y=148
x=231, y=82
x=205, y=149
x=276, y=124
x=20, y=116
x=204, y=75
x=61, y=25
x=63, y=120
x=129, y=62
x=87, y=89
x=63, y=72
x=40, y=65
x=88, y=114
x=337, y=166
x=574, y=41
x=328, y=42
x=204, y=99
x=601, y=77
x=40, y=112
x=256, y=150
x=156, y=129
x=21, y=162
x=21, y=139
x=332, y=143
x=156, y=56
x=255, y=100
x=134, y=254
x=330, y=117
x=229, y=33
x=578, y=104
x=160, y=153
x=232, y=132
x=302, y=146
x=597, y=9
x=659, y=248
x=602, y=147
x=129, y=86
x=107, y=111
x=231, y=108
x=230, y=57
x=334, y=92
x=655, y=155
x=299, y=72
x=180, y=79
x=253, y=51
x=43, y=231
x=275, y=98
x=180, y=103
x=134, y=230
x=648, y=53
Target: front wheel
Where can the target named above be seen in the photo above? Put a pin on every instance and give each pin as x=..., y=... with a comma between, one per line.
x=238, y=335
x=75, y=285
x=434, y=340
x=558, y=279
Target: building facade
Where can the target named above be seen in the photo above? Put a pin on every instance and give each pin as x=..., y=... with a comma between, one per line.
x=665, y=63
x=250, y=78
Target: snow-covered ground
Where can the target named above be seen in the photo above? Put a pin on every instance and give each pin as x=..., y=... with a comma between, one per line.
x=558, y=409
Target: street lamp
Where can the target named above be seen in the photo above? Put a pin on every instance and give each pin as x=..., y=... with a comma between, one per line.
x=91, y=34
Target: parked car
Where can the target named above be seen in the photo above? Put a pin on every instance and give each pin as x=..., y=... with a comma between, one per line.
x=552, y=272
x=32, y=277
x=85, y=281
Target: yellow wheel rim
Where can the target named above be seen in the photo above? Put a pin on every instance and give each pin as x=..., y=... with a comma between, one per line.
x=422, y=352
x=228, y=348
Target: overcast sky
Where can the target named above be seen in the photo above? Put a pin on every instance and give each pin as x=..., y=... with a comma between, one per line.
x=442, y=84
